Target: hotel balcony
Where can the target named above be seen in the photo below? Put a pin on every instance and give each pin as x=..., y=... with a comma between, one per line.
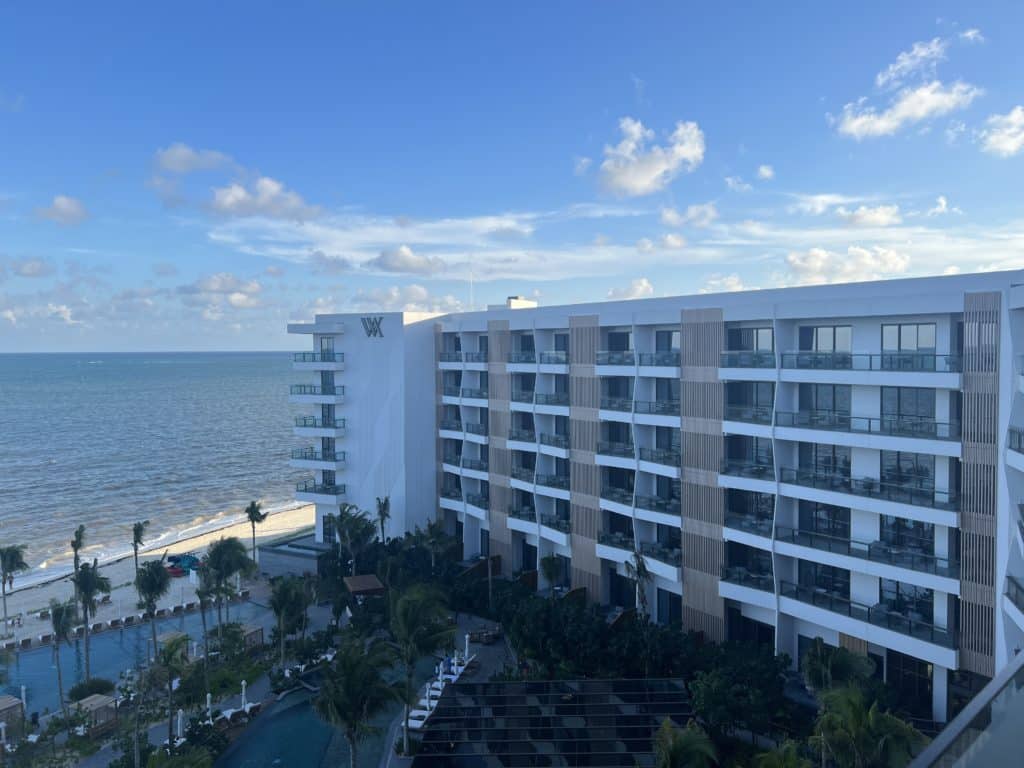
x=451, y=493
x=450, y=357
x=522, y=397
x=555, y=441
x=522, y=357
x=476, y=432
x=477, y=505
x=555, y=529
x=835, y=488
x=747, y=468
x=914, y=427
x=318, y=361
x=624, y=357
x=894, y=369
x=616, y=547
x=451, y=426
x=319, y=493
x=523, y=474
x=875, y=551
x=479, y=465
x=560, y=399
x=748, y=414
x=473, y=393
x=657, y=504
x=526, y=439
x=522, y=519
x=745, y=359
x=315, y=394
x=758, y=526
x=560, y=482
x=662, y=561
x=1015, y=596
x=1015, y=448
x=311, y=458
x=313, y=426
x=754, y=588
x=864, y=618
x=661, y=461
x=619, y=499
x=658, y=360
x=657, y=408
x=476, y=359
x=737, y=574
x=620, y=450
x=618, y=404
x=451, y=498
x=554, y=357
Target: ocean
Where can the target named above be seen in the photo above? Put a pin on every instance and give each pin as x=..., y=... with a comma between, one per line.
x=184, y=440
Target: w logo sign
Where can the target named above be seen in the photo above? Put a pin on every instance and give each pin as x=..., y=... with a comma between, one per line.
x=372, y=326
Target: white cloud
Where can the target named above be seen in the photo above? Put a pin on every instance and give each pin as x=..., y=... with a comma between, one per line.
x=696, y=215
x=922, y=57
x=274, y=271
x=972, y=35
x=865, y=216
x=954, y=131
x=403, y=259
x=645, y=245
x=765, y=172
x=820, y=203
x=637, y=289
x=32, y=268
x=181, y=158
x=1004, y=135
x=63, y=313
x=736, y=184
x=64, y=210
x=911, y=105
x=211, y=294
x=632, y=168
x=406, y=298
x=942, y=207
x=264, y=197
x=723, y=284
x=818, y=265
x=673, y=242
x=581, y=165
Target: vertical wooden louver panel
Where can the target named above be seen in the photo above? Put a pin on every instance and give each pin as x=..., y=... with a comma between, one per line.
x=499, y=456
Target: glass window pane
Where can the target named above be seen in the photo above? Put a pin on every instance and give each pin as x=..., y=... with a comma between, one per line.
x=890, y=338
x=825, y=339
x=765, y=340
x=806, y=339
x=926, y=337
x=908, y=338
x=843, y=342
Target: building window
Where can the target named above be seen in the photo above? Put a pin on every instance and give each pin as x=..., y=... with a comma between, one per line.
x=750, y=340
x=670, y=607
x=754, y=394
x=908, y=337
x=619, y=341
x=666, y=341
x=902, y=468
x=666, y=390
x=834, y=398
x=825, y=459
x=330, y=529
x=906, y=599
x=912, y=402
x=825, y=578
x=826, y=519
x=912, y=535
x=826, y=338
x=482, y=344
x=561, y=342
x=911, y=679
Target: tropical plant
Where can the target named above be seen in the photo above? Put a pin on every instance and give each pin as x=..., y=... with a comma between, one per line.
x=436, y=542
x=62, y=622
x=188, y=757
x=77, y=544
x=551, y=570
x=255, y=516
x=225, y=559
x=284, y=595
x=786, y=756
x=353, y=692
x=152, y=582
x=355, y=531
x=688, y=747
x=826, y=666
x=205, y=591
x=637, y=570
x=89, y=584
x=138, y=536
x=419, y=628
x=172, y=660
x=383, y=514
x=12, y=561
x=858, y=735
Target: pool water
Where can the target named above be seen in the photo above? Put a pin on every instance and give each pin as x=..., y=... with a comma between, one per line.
x=112, y=651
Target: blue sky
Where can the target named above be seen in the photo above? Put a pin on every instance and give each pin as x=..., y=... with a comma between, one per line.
x=192, y=177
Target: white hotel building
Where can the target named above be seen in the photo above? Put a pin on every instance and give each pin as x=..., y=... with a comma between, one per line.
x=834, y=461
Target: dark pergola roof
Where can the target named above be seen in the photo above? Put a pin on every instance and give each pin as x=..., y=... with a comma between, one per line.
x=550, y=723
x=366, y=585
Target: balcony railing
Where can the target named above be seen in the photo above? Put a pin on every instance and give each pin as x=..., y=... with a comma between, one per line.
x=452, y=493
x=658, y=504
x=878, y=551
x=664, y=359
x=747, y=468
x=312, y=454
x=476, y=428
x=522, y=435
x=522, y=396
x=556, y=441
x=668, y=457
x=522, y=357
x=450, y=357
x=896, y=426
x=453, y=460
x=902, y=493
x=751, y=414
x=737, y=574
x=319, y=357
x=523, y=513
x=924, y=362
x=1015, y=439
x=324, y=489
x=478, y=500
x=554, y=481
x=663, y=554
x=314, y=422
x=450, y=391
x=474, y=357
x=657, y=407
x=479, y=394
x=746, y=359
x=1015, y=591
x=316, y=389
x=525, y=474
x=618, y=495
x=623, y=357
x=557, y=523
x=452, y=425
x=617, y=540
x=879, y=614
x=556, y=357
x=622, y=450
x=552, y=398
x=624, y=404
x=480, y=465
x=759, y=526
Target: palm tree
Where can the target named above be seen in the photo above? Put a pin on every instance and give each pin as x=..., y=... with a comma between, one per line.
x=12, y=561
x=355, y=531
x=856, y=735
x=226, y=558
x=138, y=533
x=637, y=570
x=205, y=590
x=89, y=584
x=171, y=659
x=255, y=516
x=688, y=747
x=436, y=541
x=418, y=628
x=282, y=603
x=551, y=569
x=383, y=513
x=62, y=622
x=786, y=756
x=827, y=666
x=353, y=693
x=77, y=544
x=152, y=582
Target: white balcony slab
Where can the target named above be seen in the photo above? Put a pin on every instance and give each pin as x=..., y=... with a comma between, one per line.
x=921, y=513
x=733, y=427
x=663, y=569
x=746, y=537
x=335, y=466
x=929, y=379
x=656, y=468
x=748, y=374
x=1015, y=459
x=555, y=536
x=623, y=462
x=523, y=526
x=335, y=432
x=874, y=441
x=747, y=595
x=474, y=511
x=329, y=399
x=1013, y=612
x=757, y=484
x=613, y=554
x=615, y=506
x=319, y=365
x=554, y=493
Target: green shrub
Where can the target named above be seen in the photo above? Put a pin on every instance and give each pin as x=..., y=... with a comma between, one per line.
x=89, y=687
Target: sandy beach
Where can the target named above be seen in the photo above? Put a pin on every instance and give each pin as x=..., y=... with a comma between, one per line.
x=27, y=602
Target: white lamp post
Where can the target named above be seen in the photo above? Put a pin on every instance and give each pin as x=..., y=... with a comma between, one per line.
x=209, y=707
x=181, y=723
x=243, y=694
